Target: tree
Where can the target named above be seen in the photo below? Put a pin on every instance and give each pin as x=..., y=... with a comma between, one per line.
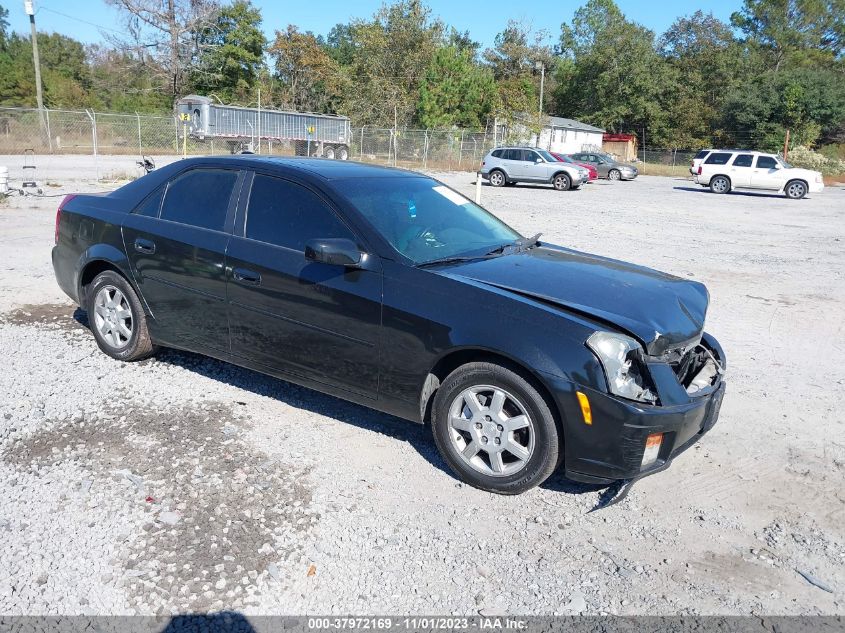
x=803, y=32
x=614, y=78
x=308, y=78
x=4, y=25
x=706, y=62
x=232, y=53
x=808, y=102
x=64, y=71
x=339, y=44
x=514, y=61
x=393, y=53
x=163, y=36
x=456, y=91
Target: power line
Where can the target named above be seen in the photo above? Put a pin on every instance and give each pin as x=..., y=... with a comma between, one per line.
x=72, y=17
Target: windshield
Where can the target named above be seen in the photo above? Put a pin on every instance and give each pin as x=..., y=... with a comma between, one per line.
x=548, y=157
x=425, y=220
x=784, y=163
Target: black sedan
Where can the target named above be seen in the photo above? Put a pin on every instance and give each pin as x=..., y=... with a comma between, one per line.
x=388, y=288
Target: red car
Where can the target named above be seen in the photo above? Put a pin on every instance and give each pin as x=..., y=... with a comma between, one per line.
x=568, y=159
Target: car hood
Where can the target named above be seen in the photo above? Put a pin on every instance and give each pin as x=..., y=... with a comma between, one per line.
x=661, y=310
x=800, y=172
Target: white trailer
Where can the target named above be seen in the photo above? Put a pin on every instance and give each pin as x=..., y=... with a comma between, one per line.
x=312, y=134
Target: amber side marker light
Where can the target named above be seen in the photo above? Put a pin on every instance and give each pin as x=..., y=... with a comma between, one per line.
x=652, y=449
x=585, y=408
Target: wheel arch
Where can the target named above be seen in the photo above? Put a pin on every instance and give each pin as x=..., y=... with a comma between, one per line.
x=558, y=173
x=504, y=172
x=453, y=359
x=100, y=259
x=801, y=180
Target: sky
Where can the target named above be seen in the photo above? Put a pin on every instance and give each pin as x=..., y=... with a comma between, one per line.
x=86, y=20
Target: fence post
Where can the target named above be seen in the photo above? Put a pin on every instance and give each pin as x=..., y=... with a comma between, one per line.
x=425, y=150
x=140, y=150
x=49, y=134
x=92, y=116
x=176, y=130
x=361, y=148
x=461, y=150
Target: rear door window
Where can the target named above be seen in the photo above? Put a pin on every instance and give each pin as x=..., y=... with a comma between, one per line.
x=286, y=214
x=199, y=197
x=718, y=158
x=743, y=160
x=766, y=162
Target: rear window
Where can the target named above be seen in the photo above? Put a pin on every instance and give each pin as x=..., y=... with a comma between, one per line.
x=200, y=198
x=718, y=158
x=498, y=153
x=701, y=154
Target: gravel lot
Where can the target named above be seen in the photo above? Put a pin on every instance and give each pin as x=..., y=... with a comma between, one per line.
x=185, y=484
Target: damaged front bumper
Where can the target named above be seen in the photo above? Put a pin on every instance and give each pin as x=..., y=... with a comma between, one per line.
x=613, y=447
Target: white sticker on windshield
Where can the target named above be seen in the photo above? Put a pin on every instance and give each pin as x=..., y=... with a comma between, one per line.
x=450, y=195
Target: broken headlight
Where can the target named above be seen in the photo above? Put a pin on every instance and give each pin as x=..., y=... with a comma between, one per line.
x=621, y=358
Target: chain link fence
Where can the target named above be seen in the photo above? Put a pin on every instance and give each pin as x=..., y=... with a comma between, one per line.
x=94, y=133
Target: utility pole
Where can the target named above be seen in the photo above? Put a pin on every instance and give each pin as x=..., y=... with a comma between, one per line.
x=39, y=97
x=786, y=146
x=542, y=69
x=30, y=11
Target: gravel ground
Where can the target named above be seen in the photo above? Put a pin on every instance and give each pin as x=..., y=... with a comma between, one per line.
x=184, y=484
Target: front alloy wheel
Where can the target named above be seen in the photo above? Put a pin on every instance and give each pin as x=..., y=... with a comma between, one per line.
x=561, y=182
x=494, y=429
x=491, y=430
x=796, y=190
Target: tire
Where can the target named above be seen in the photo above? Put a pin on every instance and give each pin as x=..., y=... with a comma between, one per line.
x=498, y=178
x=105, y=320
x=720, y=184
x=329, y=152
x=561, y=182
x=343, y=153
x=795, y=189
x=504, y=396
x=614, y=174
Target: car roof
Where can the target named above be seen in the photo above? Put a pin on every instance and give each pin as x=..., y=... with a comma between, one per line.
x=325, y=168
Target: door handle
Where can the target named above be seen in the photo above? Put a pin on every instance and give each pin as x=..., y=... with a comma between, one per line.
x=244, y=276
x=145, y=246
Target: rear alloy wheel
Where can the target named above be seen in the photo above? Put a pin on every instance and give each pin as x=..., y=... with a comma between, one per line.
x=614, y=174
x=561, y=182
x=117, y=319
x=795, y=189
x=329, y=153
x=494, y=429
x=720, y=184
x=497, y=178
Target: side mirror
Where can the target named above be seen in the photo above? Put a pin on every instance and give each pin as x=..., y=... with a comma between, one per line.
x=334, y=251
x=538, y=160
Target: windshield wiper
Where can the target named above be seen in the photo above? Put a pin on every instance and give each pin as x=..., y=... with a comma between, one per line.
x=519, y=245
x=455, y=259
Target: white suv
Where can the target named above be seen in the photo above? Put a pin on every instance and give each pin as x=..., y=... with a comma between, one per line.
x=724, y=170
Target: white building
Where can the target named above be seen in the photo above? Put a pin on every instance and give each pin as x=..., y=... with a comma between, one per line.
x=564, y=136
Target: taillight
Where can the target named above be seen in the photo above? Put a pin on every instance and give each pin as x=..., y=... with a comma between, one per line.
x=699, y=170
x=64, y=201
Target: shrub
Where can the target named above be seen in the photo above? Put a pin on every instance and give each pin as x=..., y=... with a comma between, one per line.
x=807, y=158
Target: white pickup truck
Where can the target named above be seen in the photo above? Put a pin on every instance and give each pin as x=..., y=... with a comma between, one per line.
x=725, y=170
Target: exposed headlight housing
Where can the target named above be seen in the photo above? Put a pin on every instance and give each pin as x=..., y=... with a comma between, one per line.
x=621, y=358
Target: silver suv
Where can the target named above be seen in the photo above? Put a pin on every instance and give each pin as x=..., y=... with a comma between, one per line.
x=508, y=165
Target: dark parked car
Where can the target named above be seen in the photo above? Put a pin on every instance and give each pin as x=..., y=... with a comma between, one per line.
x=607, y=166
x=387, y=288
